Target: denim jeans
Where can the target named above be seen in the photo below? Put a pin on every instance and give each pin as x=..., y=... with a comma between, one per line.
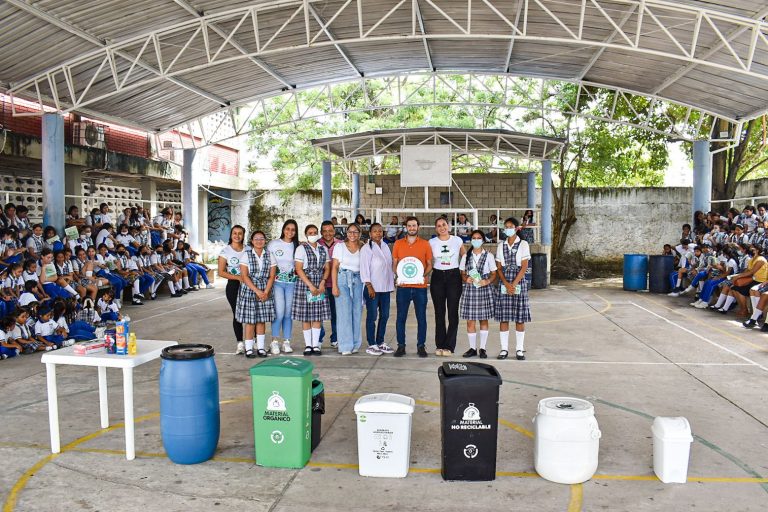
x=378, y=306
x=332, y=303
x=710, y=285
x=419, y=298
x=283, y=293
x=349, y=310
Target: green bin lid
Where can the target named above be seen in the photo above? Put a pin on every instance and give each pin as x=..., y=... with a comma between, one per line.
x=317, y=387
x=283, y=367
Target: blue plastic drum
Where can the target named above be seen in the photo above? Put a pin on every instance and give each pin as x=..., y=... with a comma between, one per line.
x=189, y=403
x=635, y=272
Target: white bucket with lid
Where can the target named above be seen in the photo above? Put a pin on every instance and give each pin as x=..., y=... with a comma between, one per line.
x=566, y=440
x=671, y=448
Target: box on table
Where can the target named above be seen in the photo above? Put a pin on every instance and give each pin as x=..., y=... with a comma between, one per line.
x=92, y=347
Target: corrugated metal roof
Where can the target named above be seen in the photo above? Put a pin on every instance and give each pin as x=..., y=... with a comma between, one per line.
x=159, y=63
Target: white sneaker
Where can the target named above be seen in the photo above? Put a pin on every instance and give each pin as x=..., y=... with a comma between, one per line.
x=210, y=286
x=287, y=347
x=373, y=350
x=274, y=348
x=3, y=356
x=240, y=348
x=673, y=294
x=346, y=353
x=702, y=305
x=49, y=348
x=386, y=349
x=69, y=342
x=356, y=350
x=694, y=303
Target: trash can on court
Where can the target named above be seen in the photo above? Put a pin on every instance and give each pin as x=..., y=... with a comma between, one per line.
x=384, y=434
x=282, y=403
x=469, y=412
x=671, y=448
x=318, y=409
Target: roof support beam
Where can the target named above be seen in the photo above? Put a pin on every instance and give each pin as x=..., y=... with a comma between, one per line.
x=601, y=50
x=53, y=20
x=508, y=61
x=420, y=19
x=332, y=37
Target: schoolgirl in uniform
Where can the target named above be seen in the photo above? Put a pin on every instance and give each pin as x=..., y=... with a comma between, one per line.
x=172, y=277
x=512, y=305
x=49, y=331
x=108, y=265
x=191, y=264
x=478, y=273
x=108, y=310
x=8, y=347
x=30, y=275
x=149, y=280
x=21, y=334
x=310, y=305
x=53, y=285
x=129, y=271
x=65, y=271
x=255, y=305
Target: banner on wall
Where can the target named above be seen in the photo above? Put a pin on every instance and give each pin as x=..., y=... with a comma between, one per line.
x=219, y=216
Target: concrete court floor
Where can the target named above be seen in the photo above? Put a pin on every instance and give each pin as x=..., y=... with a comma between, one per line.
x=634, y=355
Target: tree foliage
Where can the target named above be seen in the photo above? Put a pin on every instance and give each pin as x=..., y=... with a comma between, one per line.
x=747, y=159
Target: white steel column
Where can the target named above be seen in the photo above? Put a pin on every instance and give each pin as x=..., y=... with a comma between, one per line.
x=190, y=176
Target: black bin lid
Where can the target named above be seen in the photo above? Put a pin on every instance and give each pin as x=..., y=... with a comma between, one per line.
x=187, y=352
x=453, y=370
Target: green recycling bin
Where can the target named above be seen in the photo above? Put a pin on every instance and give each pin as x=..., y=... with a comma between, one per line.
x=282, y=411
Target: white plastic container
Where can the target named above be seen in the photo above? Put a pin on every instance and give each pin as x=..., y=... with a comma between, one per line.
x=384, y=434
x=671, y=449
x=567, y=440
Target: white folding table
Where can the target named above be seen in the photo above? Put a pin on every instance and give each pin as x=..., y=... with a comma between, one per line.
x=148, y=350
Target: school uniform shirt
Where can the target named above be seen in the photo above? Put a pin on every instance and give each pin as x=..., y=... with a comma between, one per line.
x=64, y=269
x=301, y=253
x=106, y=218
x=19, y=332
x=92, y=220
x=128, y=263
x=523, y=252
x=732, y=266
x=61, y=322
x=282, y=253
x=126, y=239
x=233, y=259
x=347, y=259
x=16, y=283
x=446, y=253
x=27, y=298
x=3, y=336
x=105, y=307
x=749, y=222
x=35, y=243
x=142, y=262
x=103, y=238
x=490, y=262
x=143, y=237
x=109, y=261
x=463, y=228
x=376, y=267
x=46, y=328
x=30, y=276
x=84, y=242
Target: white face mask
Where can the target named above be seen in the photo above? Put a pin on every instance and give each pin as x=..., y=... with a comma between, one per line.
x=510, y=231
x=313, y=238
x=760, y=230
x=477, y=243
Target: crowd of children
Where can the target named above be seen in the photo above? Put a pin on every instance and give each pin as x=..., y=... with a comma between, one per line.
x=722, y=261
x=58, y=287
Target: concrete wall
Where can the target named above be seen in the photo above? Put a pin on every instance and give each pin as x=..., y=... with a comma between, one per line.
x=304, y=207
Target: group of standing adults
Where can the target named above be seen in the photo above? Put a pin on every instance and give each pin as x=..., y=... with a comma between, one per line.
x=323, y=278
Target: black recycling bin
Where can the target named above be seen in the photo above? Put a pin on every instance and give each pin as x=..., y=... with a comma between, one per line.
x=469, y=413
x=318, y=409
x=539, y=270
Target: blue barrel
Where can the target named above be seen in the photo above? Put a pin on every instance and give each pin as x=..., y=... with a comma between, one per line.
x=189, y=403
x=659, y=268
x=635, y=272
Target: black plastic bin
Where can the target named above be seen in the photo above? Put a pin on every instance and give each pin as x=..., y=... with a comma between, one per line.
x=659, y=268
x=469, y=413
x=318, y=409
x=539, y=270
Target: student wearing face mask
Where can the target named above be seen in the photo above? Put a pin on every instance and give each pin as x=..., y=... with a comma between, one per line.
x=310, y=305
x=755, y=273
x=35, y=243
x=478, y=273
x=512, y=304
x=84, y=240
x=125, y=238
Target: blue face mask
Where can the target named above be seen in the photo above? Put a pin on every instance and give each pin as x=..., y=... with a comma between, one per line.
x=477, y=243
x=510, y=231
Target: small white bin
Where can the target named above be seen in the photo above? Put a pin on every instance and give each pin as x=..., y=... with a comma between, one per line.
x=384, y=434
x=671, y=448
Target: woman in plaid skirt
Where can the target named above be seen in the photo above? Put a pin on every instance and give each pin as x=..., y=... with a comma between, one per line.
x=310, y=305
x=478, y=272
x=512, y=303
x=255, y=305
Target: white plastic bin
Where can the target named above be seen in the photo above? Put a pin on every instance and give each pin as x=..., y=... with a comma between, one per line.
x=671, y=448
x=566, y=440
x=384, y=434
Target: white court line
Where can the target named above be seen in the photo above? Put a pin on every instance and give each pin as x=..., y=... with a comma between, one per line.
x=177, y=309
x=743, y=358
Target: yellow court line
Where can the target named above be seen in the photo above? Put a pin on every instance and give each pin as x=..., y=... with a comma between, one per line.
x=577, y=498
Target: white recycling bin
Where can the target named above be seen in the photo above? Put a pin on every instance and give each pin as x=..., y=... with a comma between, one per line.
x=384, y=434
x=566, y=440
x=671, y=448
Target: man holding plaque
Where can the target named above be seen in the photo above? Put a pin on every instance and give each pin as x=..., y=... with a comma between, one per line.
x=412, y=262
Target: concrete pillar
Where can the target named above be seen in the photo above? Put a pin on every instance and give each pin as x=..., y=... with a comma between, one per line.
x=202, y=216
x=546, y=202
x=53, y=171
x=531, y=191
x=702, y=177
x=191, y=170
x=327, y=190
x=355, y=195
x=149, y=193
x=73, y=186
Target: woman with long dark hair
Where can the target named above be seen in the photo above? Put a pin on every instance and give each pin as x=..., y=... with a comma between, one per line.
x=229, y=268
x=281, y=252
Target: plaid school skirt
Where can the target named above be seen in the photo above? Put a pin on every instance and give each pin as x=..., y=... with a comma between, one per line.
x=477, y=303
x=304, y=311
x=513, y=308
x=250, y=310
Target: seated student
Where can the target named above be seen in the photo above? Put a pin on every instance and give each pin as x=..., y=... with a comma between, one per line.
x=686, y=233
x=748, y=219
x=83, y=270
x=106, y=237
x=9, y=253
x=30, y=274
x=149, y=279
x=141, y=235
x=755, y=273
x=129, y=271
x=463, y=227
x=686, y=252
x=85, y=240
x=35, y=243
x=125, y=238
x=22, y=335
x=51, y=239
x=48, y=330
x=8, y=347
x=169, y=259
x=108, y=265
x=724, y=265
x=28, y=296
x=83, y=327
x=94, y=219
x=739, y=236
x=203, y=269
x=699, y=271
x=195, y=270
x=169, y=272
x=53, y=284
x=393, y=230
x=107, y=308
x=758, y=309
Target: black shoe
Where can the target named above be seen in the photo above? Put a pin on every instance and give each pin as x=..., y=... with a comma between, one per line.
x=308, y=351
x=764, y=328
x=502, y=355
x=483, y=354
x=183, y=291
x=421, y=351
x=250, y=354
x=191, y=289
x=177, y=295
x=138, y=296
x=750, y=324
x=316, y=351
x=136, y=302
x=470, y=353
x=153, y=296
x=400, y=352
x=261, y=352
x=520, y=355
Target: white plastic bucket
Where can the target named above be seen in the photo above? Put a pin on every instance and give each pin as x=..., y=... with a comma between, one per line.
x=671, y=449
x=384, y=434
x=567, y=440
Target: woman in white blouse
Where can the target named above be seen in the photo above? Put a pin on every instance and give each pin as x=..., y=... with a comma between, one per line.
x=379, y=283
x=348, y=290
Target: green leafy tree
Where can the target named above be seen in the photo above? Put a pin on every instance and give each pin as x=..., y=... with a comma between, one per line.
x=747, y=159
